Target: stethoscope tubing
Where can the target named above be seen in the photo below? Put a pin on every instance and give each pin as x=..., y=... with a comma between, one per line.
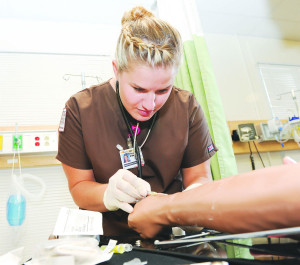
x=139, y=161
x=137, y=151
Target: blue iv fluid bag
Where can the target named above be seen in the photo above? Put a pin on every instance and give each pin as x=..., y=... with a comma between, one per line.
x=16, y=203
x=16, y=209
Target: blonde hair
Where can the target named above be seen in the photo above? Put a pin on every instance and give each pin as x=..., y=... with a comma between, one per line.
x=145, y=38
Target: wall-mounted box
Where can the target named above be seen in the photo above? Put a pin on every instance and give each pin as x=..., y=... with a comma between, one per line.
x=29, y=141
x=17, y=142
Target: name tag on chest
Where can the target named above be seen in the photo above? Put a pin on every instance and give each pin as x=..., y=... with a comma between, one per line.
x=128, y=158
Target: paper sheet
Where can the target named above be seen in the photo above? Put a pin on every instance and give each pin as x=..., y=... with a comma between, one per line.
x=78, y=222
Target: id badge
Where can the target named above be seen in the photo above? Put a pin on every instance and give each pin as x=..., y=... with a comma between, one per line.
x=128, y=158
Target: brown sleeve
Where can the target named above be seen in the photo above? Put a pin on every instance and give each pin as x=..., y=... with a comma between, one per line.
x=200, y=145
x=71, y=148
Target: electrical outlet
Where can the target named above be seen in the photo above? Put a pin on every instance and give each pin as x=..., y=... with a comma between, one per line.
x=247, y=132
x=29, y=141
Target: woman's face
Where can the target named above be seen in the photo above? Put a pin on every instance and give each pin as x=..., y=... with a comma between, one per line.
x=126, y=159
x=145, y=89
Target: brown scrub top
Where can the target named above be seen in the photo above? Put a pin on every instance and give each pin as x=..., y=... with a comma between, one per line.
x=94, y=125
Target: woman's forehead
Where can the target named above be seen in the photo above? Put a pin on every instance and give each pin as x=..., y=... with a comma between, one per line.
x=150, y=81
x=143, y=73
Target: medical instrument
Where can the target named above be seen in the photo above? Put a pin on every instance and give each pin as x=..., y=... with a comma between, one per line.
x=275, y=130
x=247, y=132
x=120, y=248
x=66, y=77
x=129, y=142
x=131, y=136
x=119, y=147
x=16, y=203
x=275, y=232
x=281, y=106
x=290, y=129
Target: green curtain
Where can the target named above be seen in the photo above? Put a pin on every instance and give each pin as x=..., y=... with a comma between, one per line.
x=196, y=75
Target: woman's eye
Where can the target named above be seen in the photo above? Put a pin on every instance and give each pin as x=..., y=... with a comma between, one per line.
x=139, y=89
x=163, y=91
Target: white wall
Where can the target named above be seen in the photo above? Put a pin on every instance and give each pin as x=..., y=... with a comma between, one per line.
x=235, y=61
x=36, y=85
x=56, y=37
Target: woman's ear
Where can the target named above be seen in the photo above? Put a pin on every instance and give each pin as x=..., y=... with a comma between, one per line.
x=115, y=68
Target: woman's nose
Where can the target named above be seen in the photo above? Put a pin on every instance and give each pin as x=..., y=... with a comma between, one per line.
x=149, y=101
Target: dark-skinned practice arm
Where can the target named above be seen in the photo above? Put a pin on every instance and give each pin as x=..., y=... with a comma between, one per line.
x=264, y=199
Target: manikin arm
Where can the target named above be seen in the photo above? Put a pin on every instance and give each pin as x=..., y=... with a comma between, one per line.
x=259, y=200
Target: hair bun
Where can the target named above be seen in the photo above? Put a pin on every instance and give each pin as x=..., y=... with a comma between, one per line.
x=136, y=13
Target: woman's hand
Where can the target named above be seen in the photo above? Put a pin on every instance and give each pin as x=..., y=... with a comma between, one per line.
x=124, y=188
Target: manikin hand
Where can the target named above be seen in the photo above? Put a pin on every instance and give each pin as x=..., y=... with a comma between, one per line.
x=124, y=188
x=262, y=199
x=146, y=219
x=288, y=161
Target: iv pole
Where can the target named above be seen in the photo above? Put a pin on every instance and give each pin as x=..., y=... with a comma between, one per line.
x=66, y=77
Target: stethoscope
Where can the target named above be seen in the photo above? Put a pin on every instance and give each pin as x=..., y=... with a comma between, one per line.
x=136, y=148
